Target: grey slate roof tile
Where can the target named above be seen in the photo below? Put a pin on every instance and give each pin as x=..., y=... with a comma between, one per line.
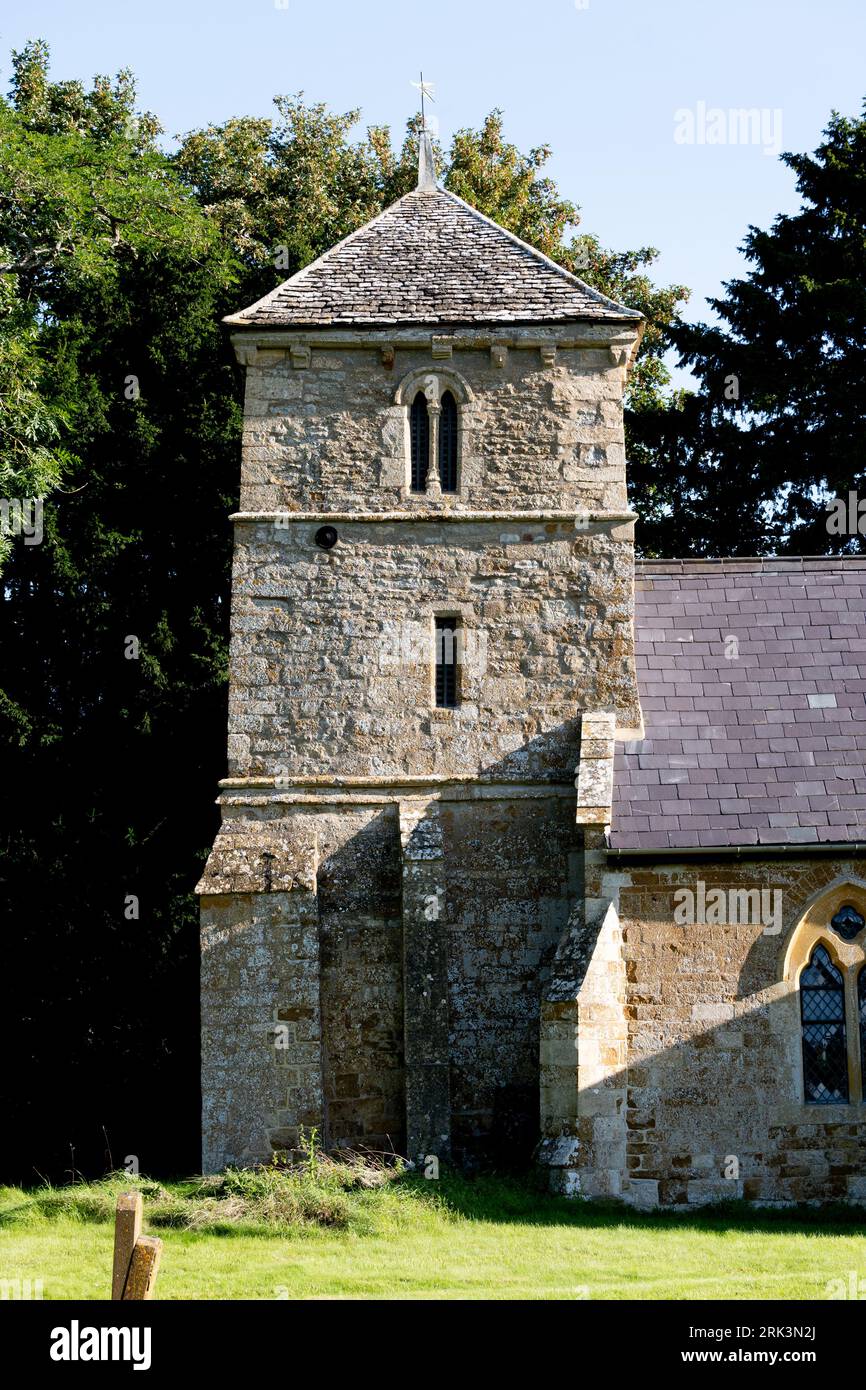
x=430, y=258
x=736, y=752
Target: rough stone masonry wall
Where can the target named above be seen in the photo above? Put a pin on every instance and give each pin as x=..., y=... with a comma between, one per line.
x=260, y=1012
x=330, y=436
x=361, y=976
x=332, y=650
x=584, y=1051
x=714, y=1048
x=512, y=872
x=333, y=963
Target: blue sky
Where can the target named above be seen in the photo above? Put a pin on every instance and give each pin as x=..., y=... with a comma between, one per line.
x=599, y=81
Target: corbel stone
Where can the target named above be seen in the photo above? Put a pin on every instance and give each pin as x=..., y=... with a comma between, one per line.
x=388, y=356
x=498, y=354
x=300, y=354
x=246, y=353
x=441, y=347
x=548, y=354
x=618, y=356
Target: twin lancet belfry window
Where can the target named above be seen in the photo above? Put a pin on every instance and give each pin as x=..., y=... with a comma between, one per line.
x=422, y=438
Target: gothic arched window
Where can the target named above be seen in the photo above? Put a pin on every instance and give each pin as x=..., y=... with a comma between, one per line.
x=419, y=424
x=822, y=1013
x=448, y=444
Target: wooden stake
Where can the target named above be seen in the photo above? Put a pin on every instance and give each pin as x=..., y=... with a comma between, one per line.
x=127, y=1229
x=143, y=1268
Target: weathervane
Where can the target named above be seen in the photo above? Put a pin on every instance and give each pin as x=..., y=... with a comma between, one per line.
x=426, y=90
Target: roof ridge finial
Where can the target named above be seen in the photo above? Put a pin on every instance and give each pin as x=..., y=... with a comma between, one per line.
x=426, y=162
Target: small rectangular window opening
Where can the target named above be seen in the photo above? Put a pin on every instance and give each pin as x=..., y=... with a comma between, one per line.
x=447, y=653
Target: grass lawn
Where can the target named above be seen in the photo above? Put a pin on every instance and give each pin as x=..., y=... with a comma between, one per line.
x=274, y=1236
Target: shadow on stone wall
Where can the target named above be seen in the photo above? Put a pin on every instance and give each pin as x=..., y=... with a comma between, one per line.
x=663, y=1082
x=360, y=924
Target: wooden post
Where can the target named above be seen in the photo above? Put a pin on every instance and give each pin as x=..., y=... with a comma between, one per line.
x=143, y=1268
x=127, y=1229
x=136, y=1257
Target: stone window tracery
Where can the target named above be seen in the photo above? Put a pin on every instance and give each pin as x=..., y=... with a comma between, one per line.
x=826, y=964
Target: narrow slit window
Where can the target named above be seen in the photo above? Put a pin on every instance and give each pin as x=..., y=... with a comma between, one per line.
x=419, y=420
x=825, y=1050
x=861, y=1014
x=448, y=444
x=446, y=662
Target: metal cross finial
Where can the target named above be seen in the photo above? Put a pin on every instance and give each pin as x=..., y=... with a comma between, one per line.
x=426, y=90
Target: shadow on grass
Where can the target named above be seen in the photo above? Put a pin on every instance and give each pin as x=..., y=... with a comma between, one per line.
x=483, y=1198
x=524, y=1201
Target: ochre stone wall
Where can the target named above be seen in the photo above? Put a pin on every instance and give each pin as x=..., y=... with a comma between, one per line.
x=332, y=651
x=584, y=1056
x=331, y=436
x=261, y=1025
x=714, y=1056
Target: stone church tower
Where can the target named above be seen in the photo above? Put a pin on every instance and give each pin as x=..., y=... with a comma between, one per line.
x=432, y=615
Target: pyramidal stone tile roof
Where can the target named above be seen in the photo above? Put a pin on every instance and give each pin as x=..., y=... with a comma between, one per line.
x=430, y=258
x=751, y=741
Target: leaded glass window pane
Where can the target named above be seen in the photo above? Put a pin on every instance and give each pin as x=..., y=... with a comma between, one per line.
x=446, y=663
x=448, y=444
x=825, y=1050
x=419, y=430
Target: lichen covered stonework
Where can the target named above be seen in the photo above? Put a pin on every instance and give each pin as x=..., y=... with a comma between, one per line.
x=332, y=650
x=715, y=1050
x=361, y=981
x=512, y=874
x=417, y=934
x=673, y=1069
x=383, y=905
x=444, y=844
x=261, y=1022
x=320, y=998
x=332, y=436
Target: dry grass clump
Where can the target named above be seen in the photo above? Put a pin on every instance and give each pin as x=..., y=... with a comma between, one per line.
x=308, y=1188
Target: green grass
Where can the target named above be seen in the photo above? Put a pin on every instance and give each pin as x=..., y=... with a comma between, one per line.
x=359, y=1233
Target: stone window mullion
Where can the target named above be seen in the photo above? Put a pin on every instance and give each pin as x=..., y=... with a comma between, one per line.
x=434, y=486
